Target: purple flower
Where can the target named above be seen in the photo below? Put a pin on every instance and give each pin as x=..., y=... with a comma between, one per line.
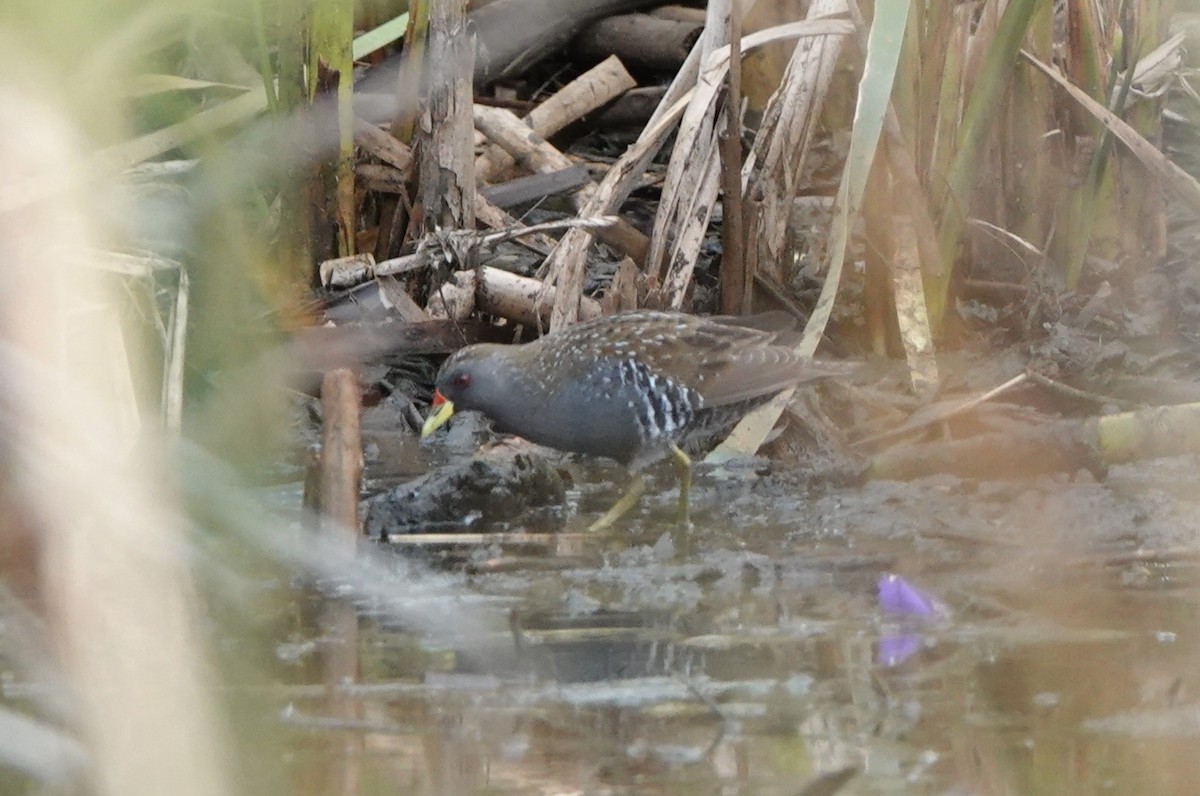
x=899, y=597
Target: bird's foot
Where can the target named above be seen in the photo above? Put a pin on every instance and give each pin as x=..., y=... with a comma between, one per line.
x=628, y=500
x=684, y=465
x=681, y=536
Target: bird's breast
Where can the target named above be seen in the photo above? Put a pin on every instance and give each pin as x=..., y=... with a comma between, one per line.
x=618, y=409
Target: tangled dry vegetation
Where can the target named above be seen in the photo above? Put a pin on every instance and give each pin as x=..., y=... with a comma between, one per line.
x=909, y=180
x=943, y=183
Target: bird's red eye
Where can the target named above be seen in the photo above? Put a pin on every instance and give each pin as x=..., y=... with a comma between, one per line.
x=462, y=379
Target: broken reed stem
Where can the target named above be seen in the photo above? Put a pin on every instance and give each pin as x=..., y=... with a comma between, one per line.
x=341, y=455
x=583, y=95
x=341, y=478
x=736, y=283
x=533, y=152
x=502, y=293
x=446, y=140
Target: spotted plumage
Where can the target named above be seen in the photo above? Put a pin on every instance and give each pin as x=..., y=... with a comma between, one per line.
x=631, y=386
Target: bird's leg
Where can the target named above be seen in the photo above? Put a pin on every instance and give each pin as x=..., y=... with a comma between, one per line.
x=681, y=534
x=627, y=501
x=684, y=464
x=637, y=487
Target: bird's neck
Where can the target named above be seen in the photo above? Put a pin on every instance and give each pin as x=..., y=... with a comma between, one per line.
x=524, y=396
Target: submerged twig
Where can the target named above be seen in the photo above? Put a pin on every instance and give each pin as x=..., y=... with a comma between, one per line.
x=1078, y=394
x=939, y=413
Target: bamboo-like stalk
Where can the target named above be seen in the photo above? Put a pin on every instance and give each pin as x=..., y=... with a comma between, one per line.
x=412, y=71
x=175, y=344
x=973, y=135
x=297, y=190
x=393, y=213
x=120, y=618
x=331, y=53
x=737, y=282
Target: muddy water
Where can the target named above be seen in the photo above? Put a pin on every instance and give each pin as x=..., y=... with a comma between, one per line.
x=1057, y=655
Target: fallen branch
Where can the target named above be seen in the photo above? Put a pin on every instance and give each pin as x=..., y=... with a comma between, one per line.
x=592, y=90
x=1064, y=446
x=499, y=293
x=536, y=186
x=459, y=246
x=642, y=40
x=532, y=151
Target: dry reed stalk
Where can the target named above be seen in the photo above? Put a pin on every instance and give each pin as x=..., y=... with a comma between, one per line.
x=118, y=601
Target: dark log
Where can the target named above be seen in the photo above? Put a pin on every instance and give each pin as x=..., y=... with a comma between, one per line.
x=680, y=13
x=1062, y=446
x=326, y=347
x=512, y=35
x=639, y=40
x=516, y=34
x=536, y=186
x=382, y=178
x=633, y=108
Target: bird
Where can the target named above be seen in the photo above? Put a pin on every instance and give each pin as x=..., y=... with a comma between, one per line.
x=636, y=387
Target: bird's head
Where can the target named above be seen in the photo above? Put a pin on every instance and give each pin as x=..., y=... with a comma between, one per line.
x=470, y=379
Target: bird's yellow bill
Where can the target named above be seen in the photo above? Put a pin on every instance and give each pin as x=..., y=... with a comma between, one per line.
x=442, y=411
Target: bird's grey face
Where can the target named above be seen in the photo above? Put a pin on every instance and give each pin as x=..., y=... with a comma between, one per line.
x=468, y=379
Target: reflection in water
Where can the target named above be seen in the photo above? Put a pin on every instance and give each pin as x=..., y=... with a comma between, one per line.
x=1062, y=661
x=334, y=756
x=1057, y=665
x=901, y=599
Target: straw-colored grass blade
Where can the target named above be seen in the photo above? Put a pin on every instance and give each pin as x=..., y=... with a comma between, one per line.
x=874, y=97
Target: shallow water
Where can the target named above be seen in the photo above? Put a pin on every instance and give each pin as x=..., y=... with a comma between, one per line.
x=1047, y=645
x=1057, y=655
